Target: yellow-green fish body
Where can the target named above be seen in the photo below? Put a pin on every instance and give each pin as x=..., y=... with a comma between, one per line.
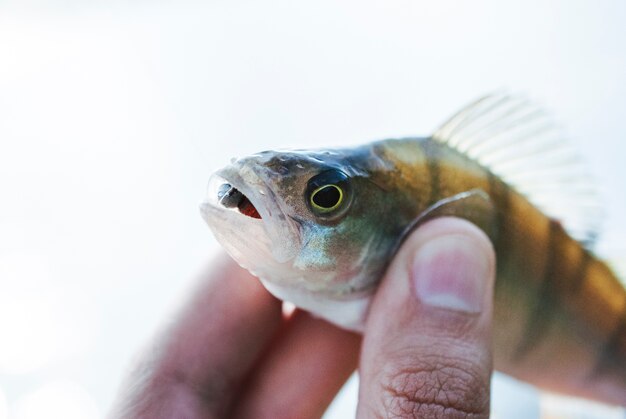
x=560, y=313
x=320, y=227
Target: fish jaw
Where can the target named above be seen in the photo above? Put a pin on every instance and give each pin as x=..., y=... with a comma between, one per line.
x=248, y=242
x=264, y=245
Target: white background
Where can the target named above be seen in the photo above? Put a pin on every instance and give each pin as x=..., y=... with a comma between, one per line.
x=114, y=113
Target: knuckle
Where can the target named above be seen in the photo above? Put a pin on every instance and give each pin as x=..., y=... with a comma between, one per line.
x=436, y=388
x=213, y=395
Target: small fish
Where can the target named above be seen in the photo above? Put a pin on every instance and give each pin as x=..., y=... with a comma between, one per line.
x=319, y=227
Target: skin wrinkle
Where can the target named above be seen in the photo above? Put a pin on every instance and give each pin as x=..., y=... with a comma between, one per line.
x=440, y=370
x=436, y=389
x=436, y=381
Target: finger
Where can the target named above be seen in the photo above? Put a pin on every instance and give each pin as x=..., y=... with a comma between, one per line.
x=427, y=344
x=302, y=372
x=196, y=367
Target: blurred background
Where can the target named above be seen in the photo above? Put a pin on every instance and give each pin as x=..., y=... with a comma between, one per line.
x=114, y=113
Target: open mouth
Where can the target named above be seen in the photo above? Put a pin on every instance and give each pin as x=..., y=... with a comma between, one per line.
x=230, y=197
x=242, y=210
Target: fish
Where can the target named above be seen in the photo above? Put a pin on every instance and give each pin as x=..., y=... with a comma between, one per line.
x=319, y=227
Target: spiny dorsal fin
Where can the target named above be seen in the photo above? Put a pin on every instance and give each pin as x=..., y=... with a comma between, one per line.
x=522, y=145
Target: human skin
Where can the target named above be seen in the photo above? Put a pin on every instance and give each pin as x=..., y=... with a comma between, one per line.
x=426, y=349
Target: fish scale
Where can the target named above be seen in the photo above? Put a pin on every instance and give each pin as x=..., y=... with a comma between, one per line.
x=559, y=311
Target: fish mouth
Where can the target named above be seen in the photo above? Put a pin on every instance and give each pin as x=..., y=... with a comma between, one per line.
x=231, y=197
x=239, y=201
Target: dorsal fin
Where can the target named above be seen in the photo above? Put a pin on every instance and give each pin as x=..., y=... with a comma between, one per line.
x=522, y=145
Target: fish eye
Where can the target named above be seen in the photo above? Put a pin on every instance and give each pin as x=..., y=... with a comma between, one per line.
x=328, y=193
x=326, y=198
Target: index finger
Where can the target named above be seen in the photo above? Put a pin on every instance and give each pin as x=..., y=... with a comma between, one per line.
x=196, y=366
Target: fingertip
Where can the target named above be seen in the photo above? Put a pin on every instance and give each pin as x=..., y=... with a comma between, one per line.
x=454, y=226
x=452, y=266
x=447, y=263
x=427, y=344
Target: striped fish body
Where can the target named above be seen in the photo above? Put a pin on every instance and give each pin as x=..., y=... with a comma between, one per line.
x=560, y=313
x=308, y=224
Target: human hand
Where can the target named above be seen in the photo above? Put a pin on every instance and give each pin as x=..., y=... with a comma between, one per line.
x=426, y=349
x=427, y=345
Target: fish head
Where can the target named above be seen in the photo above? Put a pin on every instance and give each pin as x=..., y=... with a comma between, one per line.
x=308, y=220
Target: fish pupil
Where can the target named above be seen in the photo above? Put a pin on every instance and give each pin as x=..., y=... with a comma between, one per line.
x=327, y=197
x=328, y=194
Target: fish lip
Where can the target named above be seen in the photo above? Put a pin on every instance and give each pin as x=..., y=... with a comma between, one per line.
x=283, y=230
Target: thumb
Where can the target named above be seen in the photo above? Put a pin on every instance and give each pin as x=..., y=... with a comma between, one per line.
x=427, y=345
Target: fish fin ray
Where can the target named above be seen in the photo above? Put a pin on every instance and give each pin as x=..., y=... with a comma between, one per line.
x=520, y=143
